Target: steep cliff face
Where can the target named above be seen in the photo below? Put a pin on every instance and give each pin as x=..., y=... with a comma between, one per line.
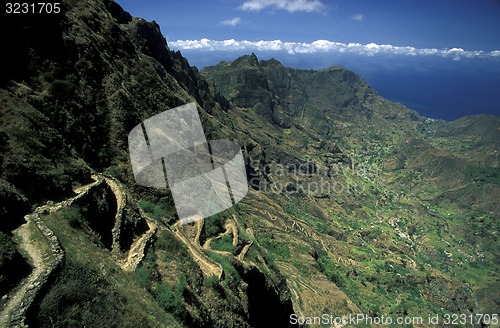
x=355, y=201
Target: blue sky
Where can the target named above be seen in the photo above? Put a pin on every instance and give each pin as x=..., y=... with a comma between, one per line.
x=387, y=42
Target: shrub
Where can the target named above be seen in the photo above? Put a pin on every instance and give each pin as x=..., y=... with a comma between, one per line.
x=147, y=272
x=279, y=249
x=143, y=276
x=211, y=282
x=227, y=266
x=7, y=248
x=224, y=244
x=156, y=211
x=214, y=225
x=170, y=244
x=330, y=271
x=74, y=217
x=171, y=298
x=12, y=265
x=79, y=285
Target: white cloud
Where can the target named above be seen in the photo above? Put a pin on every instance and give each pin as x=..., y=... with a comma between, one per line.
x=231, y=22
x=325, y=46
x=358, y=17
x=288, y=5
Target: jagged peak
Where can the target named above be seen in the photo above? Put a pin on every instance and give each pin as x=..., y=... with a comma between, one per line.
x=246, y=60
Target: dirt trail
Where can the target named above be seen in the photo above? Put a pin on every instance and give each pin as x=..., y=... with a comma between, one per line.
x=199, y=228
x=121, y=201
x=79, y=191
x=37, y=259
x=230, y=225
x=138, y=249
x=44, y=262
x=244, y=251
x=42, y=247
x=230, y=229
x=207, y=266
x=290, y=269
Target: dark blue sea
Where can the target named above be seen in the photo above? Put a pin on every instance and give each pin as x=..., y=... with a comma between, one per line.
x=442, y=89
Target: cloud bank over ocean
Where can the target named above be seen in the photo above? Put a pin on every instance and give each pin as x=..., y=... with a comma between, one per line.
x=325, y=46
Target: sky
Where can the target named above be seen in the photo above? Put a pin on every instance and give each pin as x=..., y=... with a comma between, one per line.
x=440, y=57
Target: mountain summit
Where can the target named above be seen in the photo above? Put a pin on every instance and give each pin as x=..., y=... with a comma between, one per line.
x=317, y=96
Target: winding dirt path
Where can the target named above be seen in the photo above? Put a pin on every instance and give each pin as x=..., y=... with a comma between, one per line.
x=121, y=201
x=207, y=266
x=230, y=229
x=244, y=251
x=138, y=249
x=230, y=225
x=199, y=228
x=290, y=269
x=44, y=252
x=36, y=256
